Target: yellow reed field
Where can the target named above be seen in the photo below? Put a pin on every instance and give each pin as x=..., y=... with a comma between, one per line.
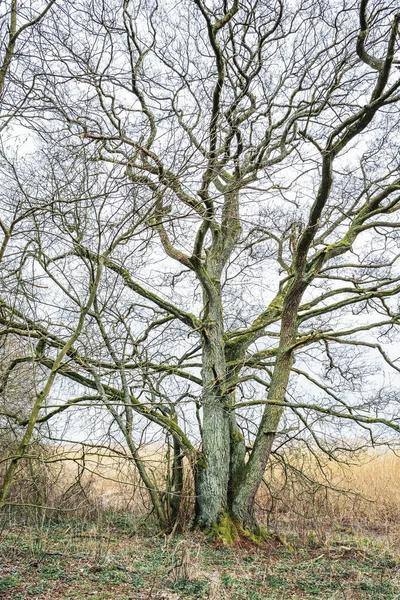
x=362, y=497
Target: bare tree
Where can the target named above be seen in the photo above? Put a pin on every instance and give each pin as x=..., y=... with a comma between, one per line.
x=17, y=22
x=240, y=188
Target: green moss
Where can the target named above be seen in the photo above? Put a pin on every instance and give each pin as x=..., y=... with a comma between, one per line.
x=229, y=530
x=225, y=530
x=237, y=436
x=257, y=537
x=201, y=462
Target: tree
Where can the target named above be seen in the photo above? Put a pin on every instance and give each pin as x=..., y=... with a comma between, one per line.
x=16, y=24
x=235, y=173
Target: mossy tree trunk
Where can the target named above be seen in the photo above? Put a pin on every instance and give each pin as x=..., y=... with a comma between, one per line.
x=232, y=483
x=213, y=466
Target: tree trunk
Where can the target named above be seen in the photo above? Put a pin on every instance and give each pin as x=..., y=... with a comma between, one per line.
x=176, y=484
x=213, y=465
x=243, y=502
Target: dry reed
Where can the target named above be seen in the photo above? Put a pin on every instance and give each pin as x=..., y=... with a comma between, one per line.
x=304, y=498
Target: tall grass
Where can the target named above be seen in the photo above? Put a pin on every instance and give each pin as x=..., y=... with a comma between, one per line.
x=307, y=494
x=324, y=496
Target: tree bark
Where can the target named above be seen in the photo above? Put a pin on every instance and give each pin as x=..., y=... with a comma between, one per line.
x=213, y=464
x=243, y=502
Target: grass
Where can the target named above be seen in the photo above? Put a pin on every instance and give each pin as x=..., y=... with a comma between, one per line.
x=293, y=503
x=324, y=545
x=362, y=497
x=98, y=563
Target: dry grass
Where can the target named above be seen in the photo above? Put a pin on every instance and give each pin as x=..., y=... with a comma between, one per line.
x=362, y=498
x=58, y=563
x=345, y=545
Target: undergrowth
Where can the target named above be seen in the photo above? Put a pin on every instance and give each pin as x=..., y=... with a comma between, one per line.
x=60, y=562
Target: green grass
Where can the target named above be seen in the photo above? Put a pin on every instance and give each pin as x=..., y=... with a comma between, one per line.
x=64, y=563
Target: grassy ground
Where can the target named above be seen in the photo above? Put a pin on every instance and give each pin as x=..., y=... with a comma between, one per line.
x=102, y=562
x=343, y=546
